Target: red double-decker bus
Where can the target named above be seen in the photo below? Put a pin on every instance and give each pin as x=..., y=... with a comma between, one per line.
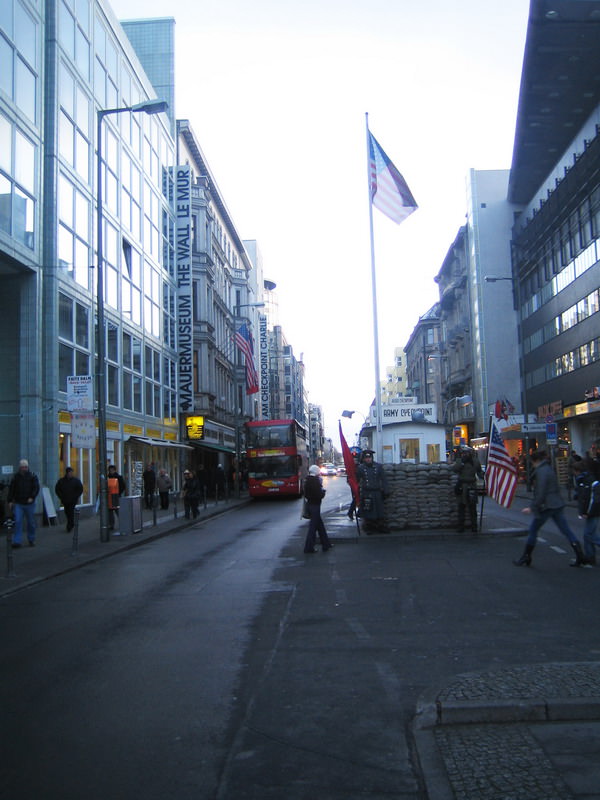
x=276, y=457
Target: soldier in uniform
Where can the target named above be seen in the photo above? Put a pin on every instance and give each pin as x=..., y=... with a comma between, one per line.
x=372, y=485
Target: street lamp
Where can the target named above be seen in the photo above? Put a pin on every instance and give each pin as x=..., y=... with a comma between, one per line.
x=494, y=278
x=238, y=405
x=348, y=414
x=464, y=400
x=148, y=107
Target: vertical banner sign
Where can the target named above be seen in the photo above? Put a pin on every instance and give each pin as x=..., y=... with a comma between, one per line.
x=263, y=341
x=83, y=430
x=183, y=233
x=80, y=393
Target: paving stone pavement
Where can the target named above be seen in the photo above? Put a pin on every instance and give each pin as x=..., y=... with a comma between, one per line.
x=523, y=733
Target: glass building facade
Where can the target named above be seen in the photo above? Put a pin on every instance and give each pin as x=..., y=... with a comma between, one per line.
x=60, y=62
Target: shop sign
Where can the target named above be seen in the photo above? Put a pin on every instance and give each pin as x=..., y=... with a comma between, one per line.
x=195, y=427
x=553, y=408
x=83, y=430
x=533, y=427
x=185, y=328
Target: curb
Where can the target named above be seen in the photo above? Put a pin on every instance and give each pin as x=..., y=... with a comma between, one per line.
x=431, y=715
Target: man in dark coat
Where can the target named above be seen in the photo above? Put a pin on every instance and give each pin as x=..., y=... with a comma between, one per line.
x=314, y=493
x=547, y=504
x=68, y=490
x=372, y=485
x=149, y=481
x=24, y=488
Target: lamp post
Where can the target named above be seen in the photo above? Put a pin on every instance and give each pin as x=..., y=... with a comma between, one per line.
x=149, y=107
x=238, y=406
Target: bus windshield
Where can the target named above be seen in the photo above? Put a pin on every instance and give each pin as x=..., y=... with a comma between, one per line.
x=267, y=436
x=263, y=467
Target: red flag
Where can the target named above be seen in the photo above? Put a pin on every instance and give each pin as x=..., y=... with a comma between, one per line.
x=350, y=467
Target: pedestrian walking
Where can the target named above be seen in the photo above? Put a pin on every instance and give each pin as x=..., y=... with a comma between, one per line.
x=314, y=494
x=372, y=485
x=587, y=494
x=574, y=459
x=69, y=489
x=164, y=484
x=24, y=488
x=547, y=503
x=116, y=488
x=149, y=483
x=467, y=469
x=202, y=480
x=190, y=493
x=219, y=482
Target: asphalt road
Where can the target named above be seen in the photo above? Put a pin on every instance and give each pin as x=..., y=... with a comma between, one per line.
x=221, y=662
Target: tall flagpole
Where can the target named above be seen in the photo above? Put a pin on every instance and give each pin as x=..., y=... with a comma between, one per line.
x=378, y=443
x=484, y=481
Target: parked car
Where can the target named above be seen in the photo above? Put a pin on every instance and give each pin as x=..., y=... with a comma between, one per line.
x=341, y=470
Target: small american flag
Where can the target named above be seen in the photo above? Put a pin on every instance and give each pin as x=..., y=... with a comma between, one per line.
x=243, y=339
x=389, y=191
x=501, y=472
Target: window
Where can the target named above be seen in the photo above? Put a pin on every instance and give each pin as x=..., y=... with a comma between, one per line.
x=74, y=125
x=18, y=61
x=17, y=183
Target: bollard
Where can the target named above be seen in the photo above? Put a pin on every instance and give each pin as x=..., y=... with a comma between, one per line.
x=75, y=543
x=10, y=561
x=174, y=505
x=204, y=492
x=154, y=523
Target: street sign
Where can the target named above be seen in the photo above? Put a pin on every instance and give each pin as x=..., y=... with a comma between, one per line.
x=551, y=433
x=80, y=393
x=533, y=427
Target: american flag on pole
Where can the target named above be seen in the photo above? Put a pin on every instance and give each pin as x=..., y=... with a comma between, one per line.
x=389, y=191
x=244, y=340
x=501, y=472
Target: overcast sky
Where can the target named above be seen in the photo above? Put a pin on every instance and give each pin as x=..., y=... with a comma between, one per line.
x=276, y=92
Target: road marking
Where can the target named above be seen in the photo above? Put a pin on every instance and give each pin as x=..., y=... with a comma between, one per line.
x=358, y=629
x=341, y=596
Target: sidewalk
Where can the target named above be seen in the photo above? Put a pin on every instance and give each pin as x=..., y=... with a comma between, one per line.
x=57, y=551
x=520, y=733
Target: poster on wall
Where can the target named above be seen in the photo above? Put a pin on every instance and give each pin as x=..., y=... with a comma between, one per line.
x=83, y=430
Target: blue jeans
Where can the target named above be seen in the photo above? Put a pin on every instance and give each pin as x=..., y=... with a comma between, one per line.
x=559, y=520
x=591, y=539
x=26, y=510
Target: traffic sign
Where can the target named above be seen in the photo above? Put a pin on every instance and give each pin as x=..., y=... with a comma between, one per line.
x=551, y=433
